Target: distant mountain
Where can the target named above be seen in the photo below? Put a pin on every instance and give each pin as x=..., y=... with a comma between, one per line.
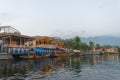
x=103, y=40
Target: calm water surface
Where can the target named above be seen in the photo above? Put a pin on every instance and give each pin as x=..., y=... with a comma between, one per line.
x=104, y=67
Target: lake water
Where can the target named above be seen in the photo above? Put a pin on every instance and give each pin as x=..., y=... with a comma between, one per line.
x=104, y=67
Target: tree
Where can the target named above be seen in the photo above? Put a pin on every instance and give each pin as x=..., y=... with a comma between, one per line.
x=98, y=46
x=118, y=49
x=84, y=46
x=91, y=44
x=107, y=46
x=77, y=42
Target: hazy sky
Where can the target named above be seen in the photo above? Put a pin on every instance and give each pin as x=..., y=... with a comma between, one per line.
x=62, y=17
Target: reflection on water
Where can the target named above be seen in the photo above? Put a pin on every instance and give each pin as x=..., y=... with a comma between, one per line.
x=104, y=67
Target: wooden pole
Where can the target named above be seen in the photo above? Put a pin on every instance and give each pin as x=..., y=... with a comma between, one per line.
x=10, y=41
x=20, y=41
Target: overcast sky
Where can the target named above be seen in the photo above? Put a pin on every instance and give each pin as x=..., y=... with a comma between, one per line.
x=62, y=17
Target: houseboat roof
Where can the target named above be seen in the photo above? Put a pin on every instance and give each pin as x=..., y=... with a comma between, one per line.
x=14, y=35
x=7, y=31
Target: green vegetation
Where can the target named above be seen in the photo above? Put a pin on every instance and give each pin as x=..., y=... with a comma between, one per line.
x=91, y=44
x=98, y=46
x=119, y=49
x=76, y=43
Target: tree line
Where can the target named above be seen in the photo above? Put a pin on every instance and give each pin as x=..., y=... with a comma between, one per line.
x=76, y=43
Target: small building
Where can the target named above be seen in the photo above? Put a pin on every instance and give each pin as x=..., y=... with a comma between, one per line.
x=107, y=50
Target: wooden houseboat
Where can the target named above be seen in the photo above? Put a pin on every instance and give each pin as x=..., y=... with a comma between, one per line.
x=12, y=42
x=52, y=46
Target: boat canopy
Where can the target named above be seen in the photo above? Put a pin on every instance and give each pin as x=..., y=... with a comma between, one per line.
x=76, y=50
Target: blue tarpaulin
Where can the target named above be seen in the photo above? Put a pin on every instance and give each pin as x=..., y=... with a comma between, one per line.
x=38, y=50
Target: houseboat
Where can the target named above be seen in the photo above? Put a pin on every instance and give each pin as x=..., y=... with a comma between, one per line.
x=47, y=46
x=12, y=42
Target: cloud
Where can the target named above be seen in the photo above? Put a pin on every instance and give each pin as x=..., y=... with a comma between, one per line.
x=6, y=17
x=62, y=18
